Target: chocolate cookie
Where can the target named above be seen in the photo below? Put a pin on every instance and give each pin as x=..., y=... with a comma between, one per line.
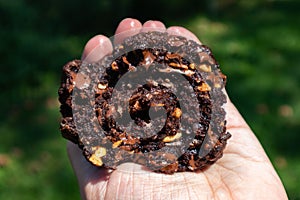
x=156, y=100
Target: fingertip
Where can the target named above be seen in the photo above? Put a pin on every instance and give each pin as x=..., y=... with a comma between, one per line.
x=126, y=28
x=96, y=48
x=128, y=23
x=178, y=30
x=153, y=25
x=75, y=156
x=72, y=150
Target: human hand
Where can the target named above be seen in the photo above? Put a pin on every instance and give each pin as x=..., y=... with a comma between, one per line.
x=244, y=171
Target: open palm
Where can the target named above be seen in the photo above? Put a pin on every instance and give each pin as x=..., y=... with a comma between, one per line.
x=244, y=171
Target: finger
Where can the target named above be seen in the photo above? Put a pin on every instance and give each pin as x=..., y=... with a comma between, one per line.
x=153, y=26
x=177, y=30
x=233, y=117
x=96, y=48
x=127, y=27
x=243, y=141
x=75, y=157
x=87, y=175
x=81, y=166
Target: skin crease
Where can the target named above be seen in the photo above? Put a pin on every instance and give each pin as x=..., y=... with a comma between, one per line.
x=244, y=171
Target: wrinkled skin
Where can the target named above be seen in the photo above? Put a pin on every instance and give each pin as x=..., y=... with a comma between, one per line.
x=244, y=172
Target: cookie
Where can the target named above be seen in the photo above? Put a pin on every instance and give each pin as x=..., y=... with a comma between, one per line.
x=156, y=100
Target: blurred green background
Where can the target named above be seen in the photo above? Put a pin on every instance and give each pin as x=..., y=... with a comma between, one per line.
x=256, y=42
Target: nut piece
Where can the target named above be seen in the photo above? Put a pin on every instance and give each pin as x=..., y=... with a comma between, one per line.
x=204, y=87
x=157, y=104
x=96, y=156
x=177, y=65
x=177, y=113
x=189, y=72
x=169, y=169
x=172, y=138
x=102, y=86
x=205, y=68
x=192, y=66
x=116, y=144
x=114, y=66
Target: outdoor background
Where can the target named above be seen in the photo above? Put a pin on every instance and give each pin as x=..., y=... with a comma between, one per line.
x=256, y=42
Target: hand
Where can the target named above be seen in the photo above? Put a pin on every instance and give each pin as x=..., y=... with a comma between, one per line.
x=244, y=171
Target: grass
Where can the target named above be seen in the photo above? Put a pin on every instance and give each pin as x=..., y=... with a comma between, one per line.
x=257, y=46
